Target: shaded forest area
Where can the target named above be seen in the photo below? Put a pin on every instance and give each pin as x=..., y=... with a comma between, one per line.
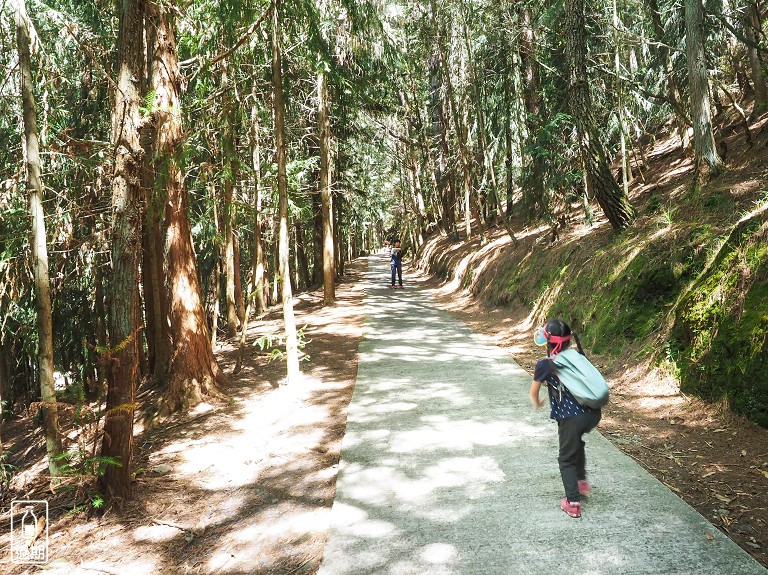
x=174, y=170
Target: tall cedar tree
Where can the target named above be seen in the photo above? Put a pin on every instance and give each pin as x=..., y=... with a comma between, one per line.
x=194, y=373
x=123, y=369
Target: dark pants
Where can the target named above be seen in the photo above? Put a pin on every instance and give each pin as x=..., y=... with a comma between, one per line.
x=572, y=459
x=397, y=268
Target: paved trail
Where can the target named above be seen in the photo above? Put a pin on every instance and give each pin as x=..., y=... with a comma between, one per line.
x=446, y=469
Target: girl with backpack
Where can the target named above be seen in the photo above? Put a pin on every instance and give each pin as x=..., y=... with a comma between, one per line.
x=573, y=419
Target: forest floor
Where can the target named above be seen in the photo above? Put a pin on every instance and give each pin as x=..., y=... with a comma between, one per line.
x=246, y=486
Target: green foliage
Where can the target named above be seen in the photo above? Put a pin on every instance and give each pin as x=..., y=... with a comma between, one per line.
x=77, y=463
x=79, y=473
x=272, y=342
x=7, y=469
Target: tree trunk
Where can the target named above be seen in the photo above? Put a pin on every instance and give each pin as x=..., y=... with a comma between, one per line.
x=284, y=272
x=123, y=359
x=258, y=242
x=443, y=178
x=228, y=159
x=534, y=200
x=612, y=200
x=214, y=282
x=153, y=266
x=38, y=241
x=338, y=239
x=410, y=158
x=703, y=135
x=194, y=373
x=470, y=206
x=753, y=26
x=326, y=194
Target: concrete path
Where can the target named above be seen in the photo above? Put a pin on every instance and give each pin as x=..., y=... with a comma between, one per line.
x=446, y=469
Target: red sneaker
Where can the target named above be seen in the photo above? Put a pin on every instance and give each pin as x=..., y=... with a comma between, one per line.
x=584, y=488
x=572, y=509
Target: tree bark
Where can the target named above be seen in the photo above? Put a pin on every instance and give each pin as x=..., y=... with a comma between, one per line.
x=703, y=135
x=443, y=177
x=153, y=266
x=470, y=205
x=194, y=374
x=533, y=186
x=228, y=159
x=326, y=195
x=122, y=373
x=753, y=26
x=257, y=285
x=38, y=241
x=284, y=272
x=612, y=200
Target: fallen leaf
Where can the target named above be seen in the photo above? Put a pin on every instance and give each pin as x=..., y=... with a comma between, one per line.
x=723, y=498
x=743, y=452
x=764, y=472
x=710, y=537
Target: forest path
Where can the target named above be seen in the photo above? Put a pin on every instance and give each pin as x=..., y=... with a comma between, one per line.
x=446, y=469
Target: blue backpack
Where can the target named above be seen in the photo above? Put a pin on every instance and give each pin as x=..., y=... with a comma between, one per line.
x=584, y=382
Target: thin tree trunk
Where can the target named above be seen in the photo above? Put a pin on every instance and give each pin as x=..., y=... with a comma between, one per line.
x=612, y=200
x=703, y=134
x=228, y=153
x=153, y=265
x=443, y=179
x=123, y=359
x=214, y=282
x=258, y=242
x=470, y=206
x=301, y=256
x=284, y=272
x=38, y=240
x=534, y=200
x=753, y=26
x=620, y=103
x=194, y=372
x=326, y=194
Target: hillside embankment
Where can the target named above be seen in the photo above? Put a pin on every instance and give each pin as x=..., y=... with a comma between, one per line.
x=683, y=291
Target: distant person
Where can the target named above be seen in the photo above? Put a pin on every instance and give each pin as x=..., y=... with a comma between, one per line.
x=573, y=419
x=396, y=263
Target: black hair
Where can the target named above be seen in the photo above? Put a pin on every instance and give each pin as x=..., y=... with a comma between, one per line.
x=558, y=327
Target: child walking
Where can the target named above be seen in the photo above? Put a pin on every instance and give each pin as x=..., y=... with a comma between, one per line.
x=573, y=419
